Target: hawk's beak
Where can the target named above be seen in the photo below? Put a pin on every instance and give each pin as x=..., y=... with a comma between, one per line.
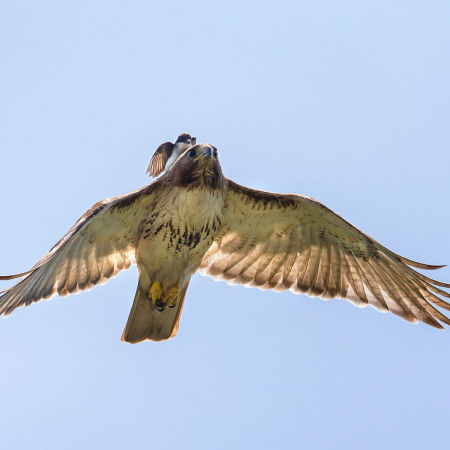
x=207, y=152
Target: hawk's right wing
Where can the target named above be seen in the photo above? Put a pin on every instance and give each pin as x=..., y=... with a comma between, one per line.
x=100, y=244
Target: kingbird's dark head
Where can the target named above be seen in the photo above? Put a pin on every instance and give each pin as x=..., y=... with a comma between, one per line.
x=185, y=138
x=197, y=166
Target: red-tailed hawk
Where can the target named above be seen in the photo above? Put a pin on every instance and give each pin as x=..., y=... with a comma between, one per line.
x=193, y=218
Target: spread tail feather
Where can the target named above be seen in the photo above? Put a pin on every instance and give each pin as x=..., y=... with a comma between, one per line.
x=146, y=322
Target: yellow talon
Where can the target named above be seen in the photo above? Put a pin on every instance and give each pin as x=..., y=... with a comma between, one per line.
x=170, y=297
x=155, y=292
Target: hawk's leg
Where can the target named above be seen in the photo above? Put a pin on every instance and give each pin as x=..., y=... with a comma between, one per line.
x=161, y=300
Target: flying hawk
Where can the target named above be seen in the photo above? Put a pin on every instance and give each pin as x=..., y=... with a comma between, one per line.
x=166, y=154
x=193, y=218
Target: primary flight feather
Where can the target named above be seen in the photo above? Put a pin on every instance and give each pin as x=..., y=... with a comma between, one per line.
x=193, y=218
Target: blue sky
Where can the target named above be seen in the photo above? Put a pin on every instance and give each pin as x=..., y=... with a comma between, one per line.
x=347, y=102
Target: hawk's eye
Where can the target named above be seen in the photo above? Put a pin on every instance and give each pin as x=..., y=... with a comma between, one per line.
x=191, y=153
x=215, y=153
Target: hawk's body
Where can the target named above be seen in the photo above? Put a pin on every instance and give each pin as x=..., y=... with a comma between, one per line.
x=170, y=249
x=194, y=218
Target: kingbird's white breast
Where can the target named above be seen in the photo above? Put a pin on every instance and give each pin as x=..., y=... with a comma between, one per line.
x=176, y=152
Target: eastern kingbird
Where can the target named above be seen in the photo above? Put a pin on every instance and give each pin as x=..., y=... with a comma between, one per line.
x=166, y=154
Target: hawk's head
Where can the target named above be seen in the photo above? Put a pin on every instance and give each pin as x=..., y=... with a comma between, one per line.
x=197, y=167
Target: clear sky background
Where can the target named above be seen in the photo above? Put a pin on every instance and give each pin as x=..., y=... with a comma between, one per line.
x=347, y=102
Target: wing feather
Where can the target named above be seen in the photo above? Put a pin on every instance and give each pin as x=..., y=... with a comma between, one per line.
x=332, y=288
x=285, y=241
x=324, y=270
x=275, y=280
x=305, y=260
x=263, y=263
x=354, y=278
x=289, y=262
x=370, y=283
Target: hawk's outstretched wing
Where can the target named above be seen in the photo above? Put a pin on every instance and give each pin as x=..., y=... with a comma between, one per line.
x=100, y=244
x=159, y=159
x=284, y=241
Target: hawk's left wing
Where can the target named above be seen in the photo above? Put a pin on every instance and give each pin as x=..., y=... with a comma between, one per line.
x=284, y=241
x=100, y=244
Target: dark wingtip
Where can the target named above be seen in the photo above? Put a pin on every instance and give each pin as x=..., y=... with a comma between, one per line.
x=16, y=275
x=419, y=265
x=431, y=267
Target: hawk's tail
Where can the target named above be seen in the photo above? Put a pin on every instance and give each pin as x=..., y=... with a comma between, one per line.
x=147, y=322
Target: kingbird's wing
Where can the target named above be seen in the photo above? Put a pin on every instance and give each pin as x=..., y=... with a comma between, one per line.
x=159, y=159
x=284, y=241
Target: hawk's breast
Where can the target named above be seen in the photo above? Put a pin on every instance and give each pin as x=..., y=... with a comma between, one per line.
x=180, y=231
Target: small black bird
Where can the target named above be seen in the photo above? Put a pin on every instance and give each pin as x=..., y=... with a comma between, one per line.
x=166, y=154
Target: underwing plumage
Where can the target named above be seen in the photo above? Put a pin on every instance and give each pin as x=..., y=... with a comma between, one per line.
x=194, y=219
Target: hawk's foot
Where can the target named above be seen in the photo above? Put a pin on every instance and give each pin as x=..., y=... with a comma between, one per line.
x=155, y=292
x=162, y=300
x=170, y=297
